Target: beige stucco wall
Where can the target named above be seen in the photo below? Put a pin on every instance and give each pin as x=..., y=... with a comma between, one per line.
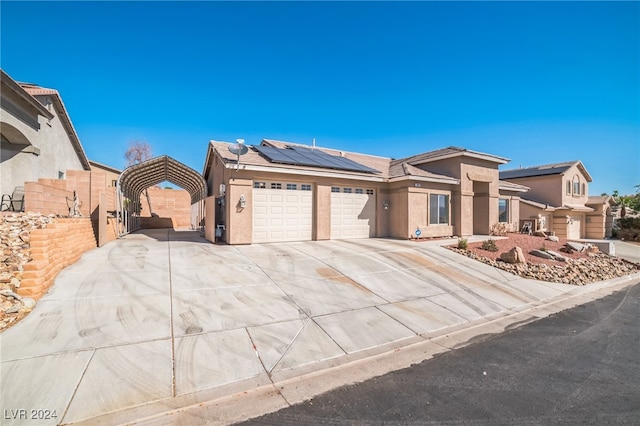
x=569, y=175
x=239, y=219
x=408, y=203
x=322, y=212
x=474, y=206
x=551, y=189
x=49, y=136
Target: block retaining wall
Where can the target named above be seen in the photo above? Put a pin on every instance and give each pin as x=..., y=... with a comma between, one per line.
x=53, y=248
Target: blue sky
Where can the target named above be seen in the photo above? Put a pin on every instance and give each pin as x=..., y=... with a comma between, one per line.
x=537, y=82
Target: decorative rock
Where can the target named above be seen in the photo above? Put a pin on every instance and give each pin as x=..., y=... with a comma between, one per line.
x=553, y=238
x=541, y=253
x=576, y=246
x=10, y=294
x=15, y=251
x=557, y=256
x=13, y=309
x=539, y=234
x=515, y=255
x=28, y=303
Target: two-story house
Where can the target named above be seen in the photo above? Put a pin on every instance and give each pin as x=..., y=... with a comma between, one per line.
x=558, y=200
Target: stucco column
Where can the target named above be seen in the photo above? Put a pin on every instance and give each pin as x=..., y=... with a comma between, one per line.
x=462, y=213
x=239, y=218
x=322, y=213
x=210, y=219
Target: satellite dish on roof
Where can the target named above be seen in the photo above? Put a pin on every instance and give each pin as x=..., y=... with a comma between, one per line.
x=238, y=149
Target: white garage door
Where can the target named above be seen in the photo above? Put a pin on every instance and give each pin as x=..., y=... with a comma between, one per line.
x=574, y=227
x=353, y=212
x=282, y=212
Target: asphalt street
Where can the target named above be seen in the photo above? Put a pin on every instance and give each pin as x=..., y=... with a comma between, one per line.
x=579, y=366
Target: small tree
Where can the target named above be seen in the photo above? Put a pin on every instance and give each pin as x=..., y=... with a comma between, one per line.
x=138, y=152
x=634, y=200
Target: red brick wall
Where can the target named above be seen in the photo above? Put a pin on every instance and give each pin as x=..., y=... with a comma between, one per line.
x=47, y=196
x=56, y=195
x=53, y=248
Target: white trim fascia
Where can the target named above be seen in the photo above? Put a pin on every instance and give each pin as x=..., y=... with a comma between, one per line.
x=509, y=188
x=491, y=158
x=448, y=181
x=303, y=172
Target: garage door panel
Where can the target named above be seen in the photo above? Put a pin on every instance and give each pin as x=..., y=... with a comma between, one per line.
x=352, y=215
x=282, y=215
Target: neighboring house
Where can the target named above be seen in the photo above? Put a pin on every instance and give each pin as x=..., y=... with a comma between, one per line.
x=558, y=200
x=283, y=191
x=111, y=173
x=37, y=137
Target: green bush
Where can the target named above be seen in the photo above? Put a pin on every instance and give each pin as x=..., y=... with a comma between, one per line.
x=462, y=243
x=489, y=245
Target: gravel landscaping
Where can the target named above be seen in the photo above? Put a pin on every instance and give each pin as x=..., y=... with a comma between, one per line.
x=578, y=268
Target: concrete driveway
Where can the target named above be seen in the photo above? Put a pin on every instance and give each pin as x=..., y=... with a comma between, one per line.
x=628, y=251
x=161, y=321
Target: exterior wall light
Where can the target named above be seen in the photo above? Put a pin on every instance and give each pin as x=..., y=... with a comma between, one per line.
x=243, y=201
x=385, y=205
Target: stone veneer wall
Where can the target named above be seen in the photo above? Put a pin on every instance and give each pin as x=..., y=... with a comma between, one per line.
x=53, y=248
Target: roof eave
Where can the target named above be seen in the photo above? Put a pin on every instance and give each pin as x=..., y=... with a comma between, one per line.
x=71, y=131
x=448, y=181
x=19, y=90
x=485, y=157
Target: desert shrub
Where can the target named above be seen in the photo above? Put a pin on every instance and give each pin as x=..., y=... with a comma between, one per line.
x=627, y=228
x=462, y=243
x=499, y=229
x=489, y=245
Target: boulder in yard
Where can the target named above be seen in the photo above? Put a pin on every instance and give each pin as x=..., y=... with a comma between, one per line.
x=515, y=255
x=541, y=253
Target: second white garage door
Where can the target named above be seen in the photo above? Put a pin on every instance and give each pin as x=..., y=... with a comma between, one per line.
x=353, y=212
x=281, y=214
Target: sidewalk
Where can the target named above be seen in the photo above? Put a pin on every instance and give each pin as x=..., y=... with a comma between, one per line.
x=163, y=322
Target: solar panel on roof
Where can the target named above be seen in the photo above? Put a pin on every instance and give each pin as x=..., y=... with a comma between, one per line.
x=311, y=157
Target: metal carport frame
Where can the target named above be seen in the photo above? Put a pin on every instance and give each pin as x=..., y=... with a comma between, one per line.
x=135, y=179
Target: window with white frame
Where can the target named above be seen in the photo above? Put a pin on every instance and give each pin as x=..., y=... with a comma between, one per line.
x=335, y=189
x=503, y=210
x=568, y=188
x=369, y=191
x=576, y=185
x=305, y=187
x=438, y=209
x=292, y=186
x=359, y=191
x=276, y=185
x=259, y=185
x=347, y=190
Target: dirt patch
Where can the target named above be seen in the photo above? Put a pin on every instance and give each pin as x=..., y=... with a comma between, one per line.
x=333, y=275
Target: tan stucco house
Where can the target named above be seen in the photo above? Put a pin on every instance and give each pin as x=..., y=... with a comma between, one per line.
x=38, y=139
x=558, y=200
x=282, y=191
